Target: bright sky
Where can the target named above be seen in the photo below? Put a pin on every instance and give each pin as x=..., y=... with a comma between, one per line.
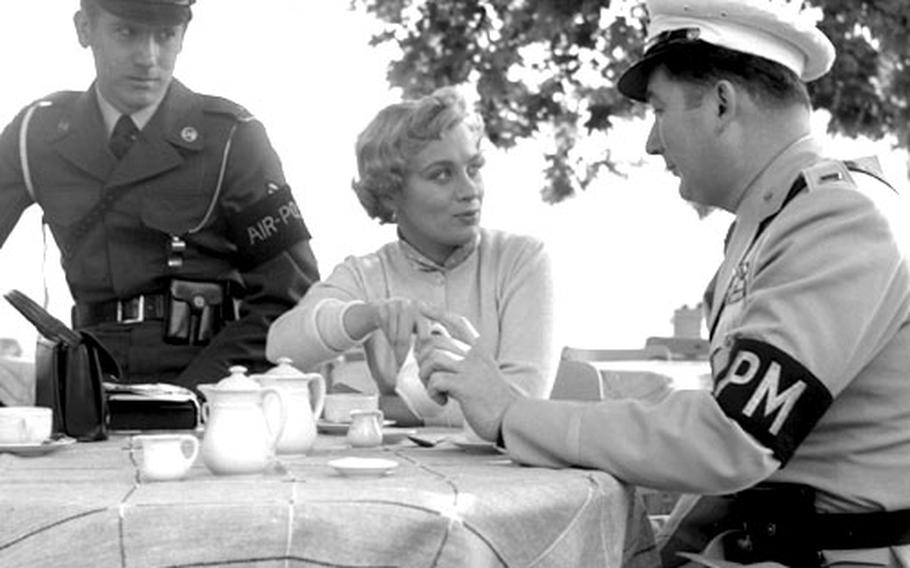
x=627, y=252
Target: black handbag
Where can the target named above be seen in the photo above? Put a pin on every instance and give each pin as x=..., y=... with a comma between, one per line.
x=70, y=370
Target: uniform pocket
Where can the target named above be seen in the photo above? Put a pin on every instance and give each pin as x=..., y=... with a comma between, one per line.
x=174, y=212
x=64, y=206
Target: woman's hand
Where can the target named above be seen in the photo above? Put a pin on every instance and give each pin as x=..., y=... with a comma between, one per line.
x=400, y=320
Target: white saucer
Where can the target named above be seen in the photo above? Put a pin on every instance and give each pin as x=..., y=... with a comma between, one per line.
x=41, y=448
x=474, y=446
x=363, y=467
x=341, y=428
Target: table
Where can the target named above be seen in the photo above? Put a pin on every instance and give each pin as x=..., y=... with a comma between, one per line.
x=86, y=505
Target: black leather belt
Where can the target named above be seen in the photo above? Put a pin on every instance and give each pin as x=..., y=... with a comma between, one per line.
x=845, y=531
x=780, y=522
x=132, y=310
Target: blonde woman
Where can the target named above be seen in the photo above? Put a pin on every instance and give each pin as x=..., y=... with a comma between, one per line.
x=419, y=165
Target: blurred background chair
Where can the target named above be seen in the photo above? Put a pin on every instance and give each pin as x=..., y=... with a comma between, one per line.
x=649, y=352
x=577, y=380
x=17, y=375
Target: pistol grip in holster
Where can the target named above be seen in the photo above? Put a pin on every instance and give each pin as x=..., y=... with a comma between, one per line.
x=197, y=311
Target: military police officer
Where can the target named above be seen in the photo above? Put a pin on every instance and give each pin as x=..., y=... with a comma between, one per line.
x=805, y=436
x=178, y=233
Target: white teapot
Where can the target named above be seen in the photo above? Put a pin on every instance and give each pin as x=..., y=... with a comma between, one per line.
x=238, y=437
x=305, y=396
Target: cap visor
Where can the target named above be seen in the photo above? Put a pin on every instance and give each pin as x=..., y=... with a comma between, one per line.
x=153, y=13
x=634, y=81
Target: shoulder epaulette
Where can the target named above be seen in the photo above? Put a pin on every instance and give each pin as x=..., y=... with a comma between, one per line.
x=220, y=105
x=59, y=98
x=828, y=174
x=836, y=174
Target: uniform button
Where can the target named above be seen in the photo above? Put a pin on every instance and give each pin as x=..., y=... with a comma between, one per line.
x=189, y=134
x=198, y=302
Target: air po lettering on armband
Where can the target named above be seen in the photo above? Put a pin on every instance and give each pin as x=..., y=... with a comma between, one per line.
x=270, y=225
x=744, y=370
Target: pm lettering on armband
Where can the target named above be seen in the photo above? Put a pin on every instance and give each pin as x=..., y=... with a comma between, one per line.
x=269, y=226
x=771, y=395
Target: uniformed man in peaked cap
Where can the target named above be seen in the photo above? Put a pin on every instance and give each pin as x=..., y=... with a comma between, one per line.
x=179, y=235
x=804, y=441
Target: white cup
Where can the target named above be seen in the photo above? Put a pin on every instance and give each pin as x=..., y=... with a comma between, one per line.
x=167, y=457
x=338, y=405
x=25, y=424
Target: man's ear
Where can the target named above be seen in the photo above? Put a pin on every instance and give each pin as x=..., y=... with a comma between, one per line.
x=726, y=99
x=81, y=21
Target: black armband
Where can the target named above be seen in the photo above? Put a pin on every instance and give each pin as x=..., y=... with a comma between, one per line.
x=266, y=228
x=771, y=395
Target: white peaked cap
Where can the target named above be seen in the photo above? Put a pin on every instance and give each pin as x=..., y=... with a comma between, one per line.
x=773, y=29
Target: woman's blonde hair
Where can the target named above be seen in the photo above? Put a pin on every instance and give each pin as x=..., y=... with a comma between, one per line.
x=397, y=134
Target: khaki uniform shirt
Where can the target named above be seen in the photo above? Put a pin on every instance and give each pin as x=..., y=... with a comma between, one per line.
x=810, y=357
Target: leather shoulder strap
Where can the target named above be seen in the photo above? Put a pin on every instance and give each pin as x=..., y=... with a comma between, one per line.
x=825, y=173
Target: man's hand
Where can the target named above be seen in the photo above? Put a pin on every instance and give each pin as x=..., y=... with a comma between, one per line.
x=454, y=365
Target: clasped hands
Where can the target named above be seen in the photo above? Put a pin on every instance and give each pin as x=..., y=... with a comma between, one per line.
x=451, y=360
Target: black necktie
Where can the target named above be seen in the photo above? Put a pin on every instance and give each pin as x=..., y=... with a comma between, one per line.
x=123, y=136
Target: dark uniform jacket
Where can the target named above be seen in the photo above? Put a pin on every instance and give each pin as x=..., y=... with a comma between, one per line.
x=246, y=231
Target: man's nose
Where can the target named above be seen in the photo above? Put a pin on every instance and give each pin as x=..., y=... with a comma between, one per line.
x=147, y=50
x=653, y=145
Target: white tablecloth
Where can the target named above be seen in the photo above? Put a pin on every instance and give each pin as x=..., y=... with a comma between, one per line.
x=86, y=505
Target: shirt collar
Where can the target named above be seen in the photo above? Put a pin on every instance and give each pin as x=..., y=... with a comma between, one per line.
x=426, y=264
x=111, y=114
x=766, y=194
